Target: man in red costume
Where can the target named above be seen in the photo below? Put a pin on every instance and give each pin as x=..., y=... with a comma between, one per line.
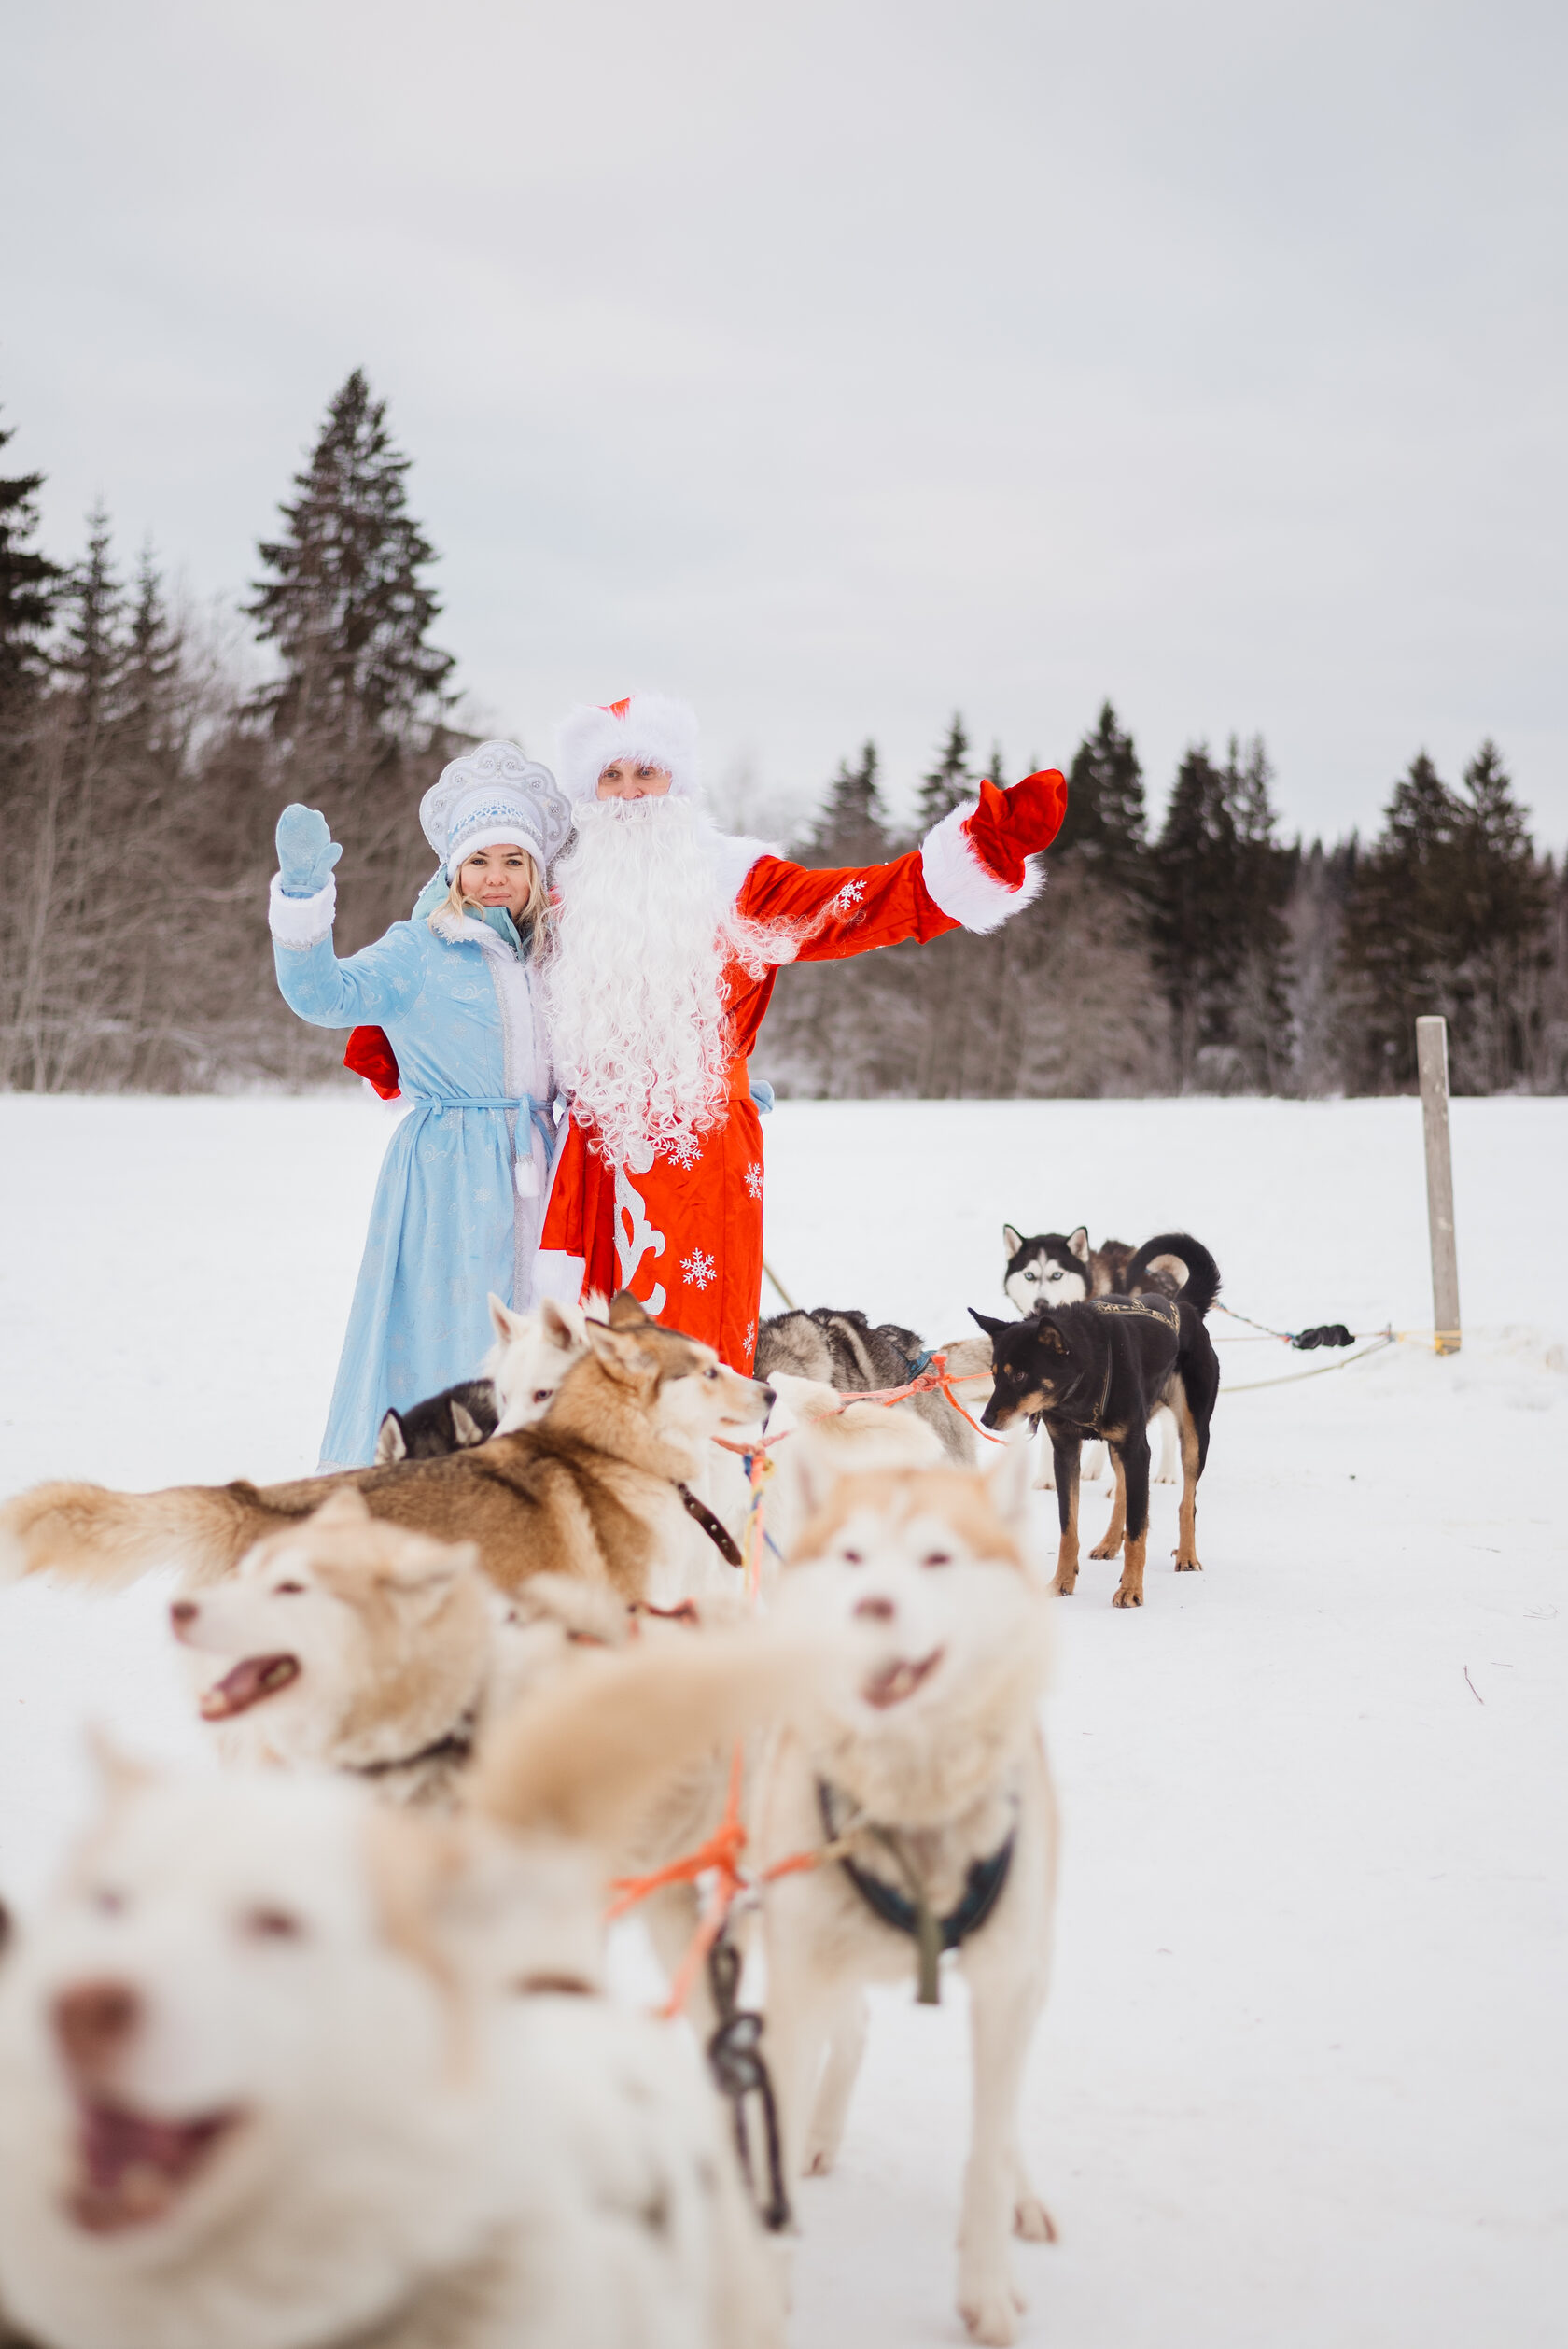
x=667, y=935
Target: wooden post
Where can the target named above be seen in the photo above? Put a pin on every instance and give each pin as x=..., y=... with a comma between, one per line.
x=1432, y=1060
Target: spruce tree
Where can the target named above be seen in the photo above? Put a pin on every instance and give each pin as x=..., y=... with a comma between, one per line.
x=1218, y=879
x=91, y=657
x=150, y=681
x=347, y=605
x=1402, y=928
x=1107, y=819
x=852, y=828
x=949, y=783
x=29, y=586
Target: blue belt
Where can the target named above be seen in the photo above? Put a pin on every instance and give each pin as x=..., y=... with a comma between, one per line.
x=538, y=1110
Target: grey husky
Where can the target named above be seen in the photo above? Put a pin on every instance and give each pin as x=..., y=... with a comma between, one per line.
x=841, y=1349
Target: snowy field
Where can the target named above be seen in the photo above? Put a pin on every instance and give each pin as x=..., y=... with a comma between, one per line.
x=1301, y=2079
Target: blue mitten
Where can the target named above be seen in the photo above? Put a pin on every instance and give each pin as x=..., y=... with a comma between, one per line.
x=306, y=850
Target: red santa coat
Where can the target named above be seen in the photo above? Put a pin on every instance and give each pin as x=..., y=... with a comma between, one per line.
x=685, y=1236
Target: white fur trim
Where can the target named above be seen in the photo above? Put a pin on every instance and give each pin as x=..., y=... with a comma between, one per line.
x=654, y=728
x=301, y=922
x=558, y=1276
x=737, y=855
x=964, y=885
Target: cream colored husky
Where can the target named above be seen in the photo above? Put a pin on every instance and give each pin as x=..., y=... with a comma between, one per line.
x=926, y=1771
x=280, y=2067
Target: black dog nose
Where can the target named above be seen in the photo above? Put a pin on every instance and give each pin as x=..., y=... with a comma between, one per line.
x=875, y=1610
x=183, y=1611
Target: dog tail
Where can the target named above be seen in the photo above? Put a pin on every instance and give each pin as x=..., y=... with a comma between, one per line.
x=590, y=1756
x=1176, y=1265
x=107, y=1539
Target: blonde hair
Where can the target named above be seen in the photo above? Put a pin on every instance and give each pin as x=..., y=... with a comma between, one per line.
x=533, y=922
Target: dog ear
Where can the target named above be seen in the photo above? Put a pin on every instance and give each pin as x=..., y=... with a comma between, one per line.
x=1012, y=1241
x=1078, y=1243
x=391, y=1443
x=561, y=1325
x=625, y=1312
x=1046, y=1332
x=992, y=1328
x=466, y=1428
x=506, y=1324
x=1007, y=1481
x=621, y=1356
x=346, y=1507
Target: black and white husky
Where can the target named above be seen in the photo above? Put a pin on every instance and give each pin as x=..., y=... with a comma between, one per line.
x=1061, y=1268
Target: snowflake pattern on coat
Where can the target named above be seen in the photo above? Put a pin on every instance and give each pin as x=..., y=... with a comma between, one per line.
x=684, y=1152
x=847, y=898
x=698, y=1269
x=754, y=1178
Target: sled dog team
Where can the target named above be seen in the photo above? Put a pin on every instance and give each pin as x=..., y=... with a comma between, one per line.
x=318, y=2050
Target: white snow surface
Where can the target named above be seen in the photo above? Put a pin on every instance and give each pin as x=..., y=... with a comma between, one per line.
x=1301, y=2077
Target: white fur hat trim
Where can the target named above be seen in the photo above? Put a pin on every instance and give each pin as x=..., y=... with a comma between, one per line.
x=647, y=726
x=493, y=795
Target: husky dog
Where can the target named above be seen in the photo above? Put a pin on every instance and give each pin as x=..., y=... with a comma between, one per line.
x=1058, y=1268
x=352, y=1644
x=531, y=1355
x=1099, y=1367
x=842, y=1350
x=450, y=1421
x=281, y=2067
x=925, y=1772
x=601, y=1488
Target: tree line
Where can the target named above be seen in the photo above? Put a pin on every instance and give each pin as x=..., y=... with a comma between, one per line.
x=141, y=772
x=1207, y=956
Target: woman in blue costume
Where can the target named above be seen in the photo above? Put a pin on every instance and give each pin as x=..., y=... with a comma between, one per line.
x=462, y=1189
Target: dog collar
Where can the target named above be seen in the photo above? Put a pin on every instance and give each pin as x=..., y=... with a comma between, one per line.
x=716, y=1531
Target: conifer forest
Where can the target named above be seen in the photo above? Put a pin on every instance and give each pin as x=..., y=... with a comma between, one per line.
x=142, y=770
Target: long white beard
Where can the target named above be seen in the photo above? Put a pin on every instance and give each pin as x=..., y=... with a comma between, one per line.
x=634, y=983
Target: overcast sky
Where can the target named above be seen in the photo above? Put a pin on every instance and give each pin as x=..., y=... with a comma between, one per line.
x=838, y=365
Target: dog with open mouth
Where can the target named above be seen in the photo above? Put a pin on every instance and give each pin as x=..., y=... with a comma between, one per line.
x=920, y=1777
x=280, y=2067
x=346, y=1643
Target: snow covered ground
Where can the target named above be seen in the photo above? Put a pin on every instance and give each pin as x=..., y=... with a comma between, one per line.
x=1302, y=2076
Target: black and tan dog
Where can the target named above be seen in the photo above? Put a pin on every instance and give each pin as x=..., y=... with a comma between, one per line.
x=1098, y=1369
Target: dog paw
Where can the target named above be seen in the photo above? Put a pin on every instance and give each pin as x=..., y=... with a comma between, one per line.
x=1063, y=1590
x=1106, y=1550
x=819, y=2158
x=1122, y=1596
x=1188, y=1566
x=1033, y=2221
x=992, y=2314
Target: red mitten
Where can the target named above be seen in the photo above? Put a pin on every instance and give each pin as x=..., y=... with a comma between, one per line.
x=1010, y=826
x=369, y=1055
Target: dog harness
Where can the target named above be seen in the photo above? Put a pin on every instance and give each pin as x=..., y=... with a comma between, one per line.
x=456, y=1745
x=913, y=1915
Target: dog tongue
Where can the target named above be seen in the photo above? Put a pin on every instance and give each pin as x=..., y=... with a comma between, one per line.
x=133, y=2167
x=899, y=1679
x=257, y=1677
